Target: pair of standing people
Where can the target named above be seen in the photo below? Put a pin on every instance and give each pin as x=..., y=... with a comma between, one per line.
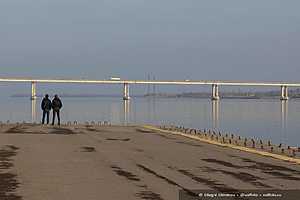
x=47, y=105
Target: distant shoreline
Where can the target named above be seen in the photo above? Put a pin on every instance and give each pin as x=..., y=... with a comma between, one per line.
x=294, y=94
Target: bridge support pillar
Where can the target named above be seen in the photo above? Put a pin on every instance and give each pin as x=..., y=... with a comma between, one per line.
x=284, y=93
x=33, y=90
x=215, y=92
x=126, y=92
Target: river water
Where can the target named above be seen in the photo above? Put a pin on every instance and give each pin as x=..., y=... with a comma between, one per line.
x=264, y=119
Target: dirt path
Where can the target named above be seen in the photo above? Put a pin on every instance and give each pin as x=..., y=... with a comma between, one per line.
x=92, y=163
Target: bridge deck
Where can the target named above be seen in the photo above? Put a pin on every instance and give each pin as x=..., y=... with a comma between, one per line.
x=128, y=163
x=165, y=82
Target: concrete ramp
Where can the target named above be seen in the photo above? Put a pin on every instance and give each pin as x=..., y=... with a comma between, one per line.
x=116, y=162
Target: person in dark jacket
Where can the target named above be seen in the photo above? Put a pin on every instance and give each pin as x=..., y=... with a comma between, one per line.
x=46, y=107
x=56, y=106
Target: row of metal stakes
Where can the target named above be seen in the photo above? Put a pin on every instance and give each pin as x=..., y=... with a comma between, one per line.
x=69, y=123
x=232, y=139
x=92, y=123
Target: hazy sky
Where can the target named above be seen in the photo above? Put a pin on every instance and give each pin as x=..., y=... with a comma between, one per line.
x=172, y=39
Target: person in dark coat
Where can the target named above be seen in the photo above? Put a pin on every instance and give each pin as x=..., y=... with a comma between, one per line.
x=56, y=106
x=46, y=107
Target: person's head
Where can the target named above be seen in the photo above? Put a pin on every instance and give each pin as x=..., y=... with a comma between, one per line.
x=56, y=96
x=46, y=96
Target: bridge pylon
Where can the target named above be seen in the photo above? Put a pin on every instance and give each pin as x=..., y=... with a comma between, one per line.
x=126, y=92
x=33, y=90
x=215, y=92
x=284, y=93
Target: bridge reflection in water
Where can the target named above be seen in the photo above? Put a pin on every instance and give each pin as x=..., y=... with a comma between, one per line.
x=284, y=121
x=127, y=116
x=126, y=112
x=215, y=113
x=268, y=119
x=33, y=110
x=151, y=115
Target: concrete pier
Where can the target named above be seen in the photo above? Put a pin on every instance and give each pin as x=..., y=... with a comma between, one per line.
x=128, y=163
x=284, y=93
x=215, y=92
x=33, y=90
x=126, y=92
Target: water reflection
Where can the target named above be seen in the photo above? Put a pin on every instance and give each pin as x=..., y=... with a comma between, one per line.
x=114, y=113
x=126, y=111
x=33, y=110
x=284, y=114
x=151, y=110
x=215, y=113
x=266, y=119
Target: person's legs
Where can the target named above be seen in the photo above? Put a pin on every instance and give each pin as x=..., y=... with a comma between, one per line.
x=48, y=113
x=58, y=117
x=43, y=119
x=53, y=117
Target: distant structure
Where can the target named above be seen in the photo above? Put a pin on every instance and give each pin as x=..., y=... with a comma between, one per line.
x=149, y=93
x=214, y=84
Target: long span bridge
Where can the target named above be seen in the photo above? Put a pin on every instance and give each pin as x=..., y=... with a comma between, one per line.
x=213, y=83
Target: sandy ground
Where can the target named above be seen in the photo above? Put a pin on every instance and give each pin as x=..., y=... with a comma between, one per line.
x=111, y=163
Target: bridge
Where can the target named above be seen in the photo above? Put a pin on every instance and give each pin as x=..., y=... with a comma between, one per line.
x=213, y=83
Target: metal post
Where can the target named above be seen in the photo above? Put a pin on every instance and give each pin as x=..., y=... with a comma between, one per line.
x=126, y=92
x=33, y=90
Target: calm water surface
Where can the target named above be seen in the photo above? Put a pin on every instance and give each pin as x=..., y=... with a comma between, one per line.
x=264, y=119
